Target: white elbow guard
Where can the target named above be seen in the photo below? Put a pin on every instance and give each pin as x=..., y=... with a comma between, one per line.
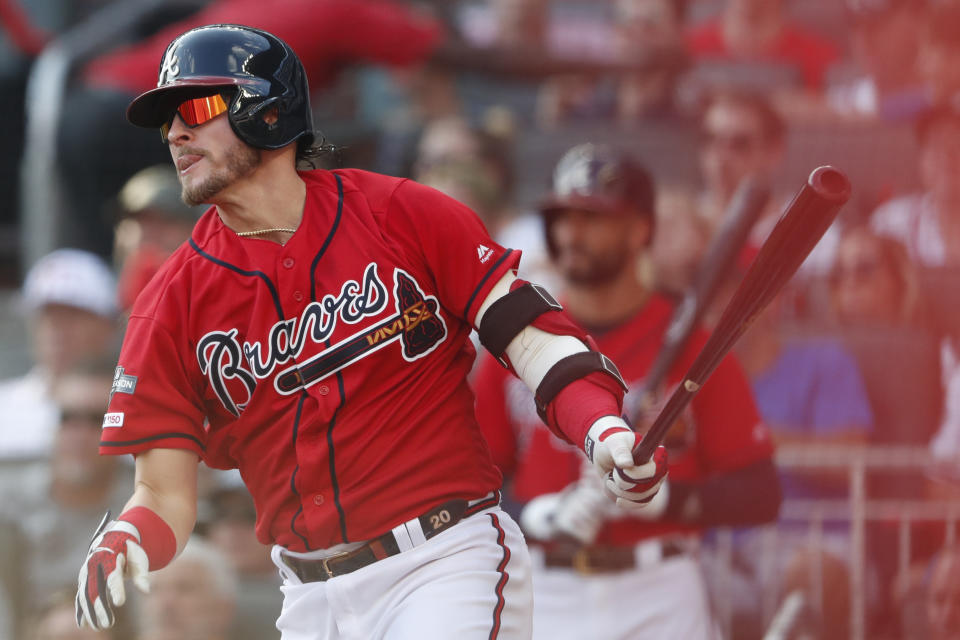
x=546, y=362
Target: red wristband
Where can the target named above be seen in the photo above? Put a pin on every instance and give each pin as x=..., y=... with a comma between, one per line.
x=156, y=536
x=581, y=403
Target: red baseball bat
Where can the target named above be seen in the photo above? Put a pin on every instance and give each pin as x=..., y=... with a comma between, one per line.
x=800, y=227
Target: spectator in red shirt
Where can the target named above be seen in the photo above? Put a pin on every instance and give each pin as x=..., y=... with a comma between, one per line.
x=641, y=31
x=325, y=34
x=758, y=31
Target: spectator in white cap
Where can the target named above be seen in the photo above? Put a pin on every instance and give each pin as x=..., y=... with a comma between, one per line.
x=193, y=598
x=69, y=304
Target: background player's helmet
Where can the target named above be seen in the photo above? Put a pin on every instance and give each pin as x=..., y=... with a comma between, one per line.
x=257, y=68
x=600, y=179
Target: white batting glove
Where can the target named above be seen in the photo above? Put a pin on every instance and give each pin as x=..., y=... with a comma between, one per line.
x=609, y=445
x=582, y=509
x=537, y=519
x=578, y=512
x=114, y=553
x=654, y=510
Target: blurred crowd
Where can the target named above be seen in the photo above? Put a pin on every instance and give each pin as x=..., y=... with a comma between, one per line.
x=480, y=99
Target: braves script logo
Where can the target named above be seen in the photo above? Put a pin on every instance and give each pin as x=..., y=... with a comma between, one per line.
x=234, y=370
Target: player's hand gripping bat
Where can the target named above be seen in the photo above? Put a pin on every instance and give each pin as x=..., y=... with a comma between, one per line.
x=741, y=214
x=801, y=226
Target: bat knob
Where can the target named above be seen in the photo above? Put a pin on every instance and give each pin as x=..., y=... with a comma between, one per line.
x=830, y=183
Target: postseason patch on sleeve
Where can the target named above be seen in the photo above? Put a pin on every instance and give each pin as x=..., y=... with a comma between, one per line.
x=123, y=383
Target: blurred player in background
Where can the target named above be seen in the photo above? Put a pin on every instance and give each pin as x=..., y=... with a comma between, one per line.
x=629, y=575
x=313, y=332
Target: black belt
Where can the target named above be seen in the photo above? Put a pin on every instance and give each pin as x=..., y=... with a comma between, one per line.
x=433, y=522
x=602, y=558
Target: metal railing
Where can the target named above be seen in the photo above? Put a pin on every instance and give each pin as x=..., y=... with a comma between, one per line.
x=854, y=513
x=45, y=215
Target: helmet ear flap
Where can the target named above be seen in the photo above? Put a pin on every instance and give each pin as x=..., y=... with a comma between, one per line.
x=267, y=112
x=251, y=122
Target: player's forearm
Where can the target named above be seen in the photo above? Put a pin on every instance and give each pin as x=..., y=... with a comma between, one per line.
x=166, y=484
x=747, y=496
x=146, y=536
x=176, y=512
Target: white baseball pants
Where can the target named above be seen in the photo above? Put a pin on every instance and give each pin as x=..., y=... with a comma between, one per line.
x=471, y=582
x=665, y=600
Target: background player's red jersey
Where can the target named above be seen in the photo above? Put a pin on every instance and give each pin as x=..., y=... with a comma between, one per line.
x=329, y=370
x=721, y=431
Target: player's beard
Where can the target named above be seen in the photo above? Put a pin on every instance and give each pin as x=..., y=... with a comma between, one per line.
x=241, y=160
x=584, y=268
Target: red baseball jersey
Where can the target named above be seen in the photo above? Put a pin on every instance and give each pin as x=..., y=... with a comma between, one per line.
x=720, y=431
x=330, y=370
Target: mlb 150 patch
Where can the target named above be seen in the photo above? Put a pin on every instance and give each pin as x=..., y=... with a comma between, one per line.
x=114, y=419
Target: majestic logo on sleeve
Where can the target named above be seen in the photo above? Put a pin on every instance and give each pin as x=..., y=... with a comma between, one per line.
x=234, y=371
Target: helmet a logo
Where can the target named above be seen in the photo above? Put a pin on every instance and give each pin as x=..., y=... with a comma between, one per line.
x=170, y=69
x=574, y=179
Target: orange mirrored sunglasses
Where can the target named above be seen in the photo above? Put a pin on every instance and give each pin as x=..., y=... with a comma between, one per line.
x=195, y=112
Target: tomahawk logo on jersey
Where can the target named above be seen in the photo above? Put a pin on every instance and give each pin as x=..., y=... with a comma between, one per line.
x=417, y=326
x=305, y=351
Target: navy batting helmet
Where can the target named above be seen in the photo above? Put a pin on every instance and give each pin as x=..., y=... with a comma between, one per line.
x=258, y=69
x=600, y=179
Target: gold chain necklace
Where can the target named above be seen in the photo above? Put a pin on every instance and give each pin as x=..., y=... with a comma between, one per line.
x=245, y=234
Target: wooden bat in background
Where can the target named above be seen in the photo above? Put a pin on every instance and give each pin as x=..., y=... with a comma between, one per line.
x=721, y=255
x=800, y=227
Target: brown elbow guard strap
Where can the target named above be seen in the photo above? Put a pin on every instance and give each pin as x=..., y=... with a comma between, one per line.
x=511, y=314
x=569, y=369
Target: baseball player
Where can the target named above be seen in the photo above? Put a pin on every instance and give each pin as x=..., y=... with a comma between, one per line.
x=600, y=572
x=313, y=332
